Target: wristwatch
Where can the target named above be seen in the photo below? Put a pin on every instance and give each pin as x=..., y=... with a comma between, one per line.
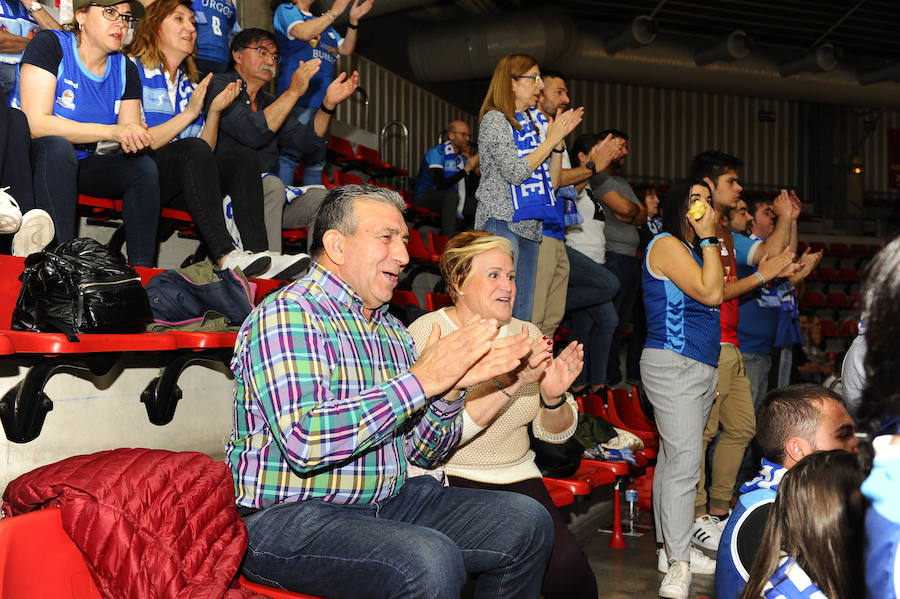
x=35, y=6
x=591, y=167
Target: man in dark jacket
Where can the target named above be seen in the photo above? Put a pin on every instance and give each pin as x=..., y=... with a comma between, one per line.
x=259, y=121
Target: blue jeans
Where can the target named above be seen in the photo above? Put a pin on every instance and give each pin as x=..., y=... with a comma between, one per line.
x=525, y=253
x=59, y=176
x=591, y=313
x=628, y=270
x=290, y=159
x=420, y=543
x=7, y=80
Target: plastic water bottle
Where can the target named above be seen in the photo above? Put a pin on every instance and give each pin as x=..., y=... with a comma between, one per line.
x=631, y=501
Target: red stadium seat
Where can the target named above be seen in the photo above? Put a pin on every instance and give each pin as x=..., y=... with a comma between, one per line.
x=403, y=298
x=812, y=299
x=828, y=328
x=836, y=299
x=436, y=301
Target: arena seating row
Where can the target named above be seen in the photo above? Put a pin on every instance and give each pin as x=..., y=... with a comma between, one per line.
x=24, y=407
x=365, y=159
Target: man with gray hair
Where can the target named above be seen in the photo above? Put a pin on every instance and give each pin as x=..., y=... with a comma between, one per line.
x=332, y=403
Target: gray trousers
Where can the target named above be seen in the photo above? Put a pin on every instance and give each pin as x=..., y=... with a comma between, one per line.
x=757, y=367
x=681, y=391
x=278, y=214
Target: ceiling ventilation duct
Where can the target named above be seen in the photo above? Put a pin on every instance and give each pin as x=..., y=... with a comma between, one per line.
x=641, y=32
x=734, y=47
x=470, y=48
x=823, y=58
x=889, y=73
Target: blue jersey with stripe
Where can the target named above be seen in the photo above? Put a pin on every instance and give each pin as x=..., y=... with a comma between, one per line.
x=216, y=26
x=323, y=46
x=675, y=320
x=81, y=95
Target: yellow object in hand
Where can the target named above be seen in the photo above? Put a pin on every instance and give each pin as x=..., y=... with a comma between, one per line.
x=698, y=209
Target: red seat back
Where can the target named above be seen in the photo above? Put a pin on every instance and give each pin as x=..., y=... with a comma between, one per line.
x=38, y=559
x=436, y=301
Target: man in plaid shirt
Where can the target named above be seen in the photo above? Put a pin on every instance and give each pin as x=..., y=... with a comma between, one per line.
x=331, y=401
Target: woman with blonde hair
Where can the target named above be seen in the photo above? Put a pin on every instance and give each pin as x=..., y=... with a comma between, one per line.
x=494, y=451
x=191, y=176
x=520, y=165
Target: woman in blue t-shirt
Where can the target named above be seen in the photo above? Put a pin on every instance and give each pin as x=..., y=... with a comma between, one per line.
x=302, y=36
x=83, y=103
x=191, y=177
x=682, y=293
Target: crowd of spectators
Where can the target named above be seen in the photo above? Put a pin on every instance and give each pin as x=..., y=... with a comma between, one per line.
x=336, y=403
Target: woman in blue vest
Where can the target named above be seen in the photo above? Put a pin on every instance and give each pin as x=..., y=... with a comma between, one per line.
x=683, y=285
x=302, y=36
x=519, y=166
x=191, y=177
x=83, y=103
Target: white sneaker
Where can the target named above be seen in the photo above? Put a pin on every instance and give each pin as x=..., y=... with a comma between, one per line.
x=706, y=532
x=677, y=581
x=700, y=562
x=251, y=264
x=35, y=232
x=286, y=267
x=10, y=214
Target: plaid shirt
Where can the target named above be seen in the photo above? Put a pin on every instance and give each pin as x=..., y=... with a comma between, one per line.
x=325, y=406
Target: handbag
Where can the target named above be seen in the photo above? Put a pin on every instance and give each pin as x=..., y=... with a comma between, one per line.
x=80, y=286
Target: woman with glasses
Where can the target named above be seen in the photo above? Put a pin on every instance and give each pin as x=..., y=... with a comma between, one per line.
x=83, y=103
x=301, y=37
x=191, y=177
x=519, y=166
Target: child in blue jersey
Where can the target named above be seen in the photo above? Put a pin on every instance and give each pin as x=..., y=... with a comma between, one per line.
x=191, y=177
x=78, y=91
x=216, y=22
x=682, y=293
x=302, y=36
x=812, y=544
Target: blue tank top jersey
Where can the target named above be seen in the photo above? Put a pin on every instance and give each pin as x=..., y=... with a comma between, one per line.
x=14, y=19
x=216, y=25
x=82, y=96
x=675, y=320
x=324, y=47
x=157, y=104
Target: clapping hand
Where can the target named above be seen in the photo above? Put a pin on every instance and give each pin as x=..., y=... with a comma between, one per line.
x=340, y=89
x=562, y=371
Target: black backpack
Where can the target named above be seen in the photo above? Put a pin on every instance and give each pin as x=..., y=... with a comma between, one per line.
x=80, y=286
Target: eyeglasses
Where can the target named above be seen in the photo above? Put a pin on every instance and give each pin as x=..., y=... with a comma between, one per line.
x=111, y=14
x=265, y=53
x=536, y=78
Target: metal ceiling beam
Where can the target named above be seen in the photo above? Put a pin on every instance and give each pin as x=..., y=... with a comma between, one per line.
x=835, y=26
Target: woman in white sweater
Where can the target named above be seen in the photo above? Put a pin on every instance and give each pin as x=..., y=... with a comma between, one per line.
x=494, y=451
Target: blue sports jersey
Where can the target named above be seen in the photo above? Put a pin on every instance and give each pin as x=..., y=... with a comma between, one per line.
x=216, y=25
x=156, y=103
x=759, y=308
x=675, y=320
x=14, y=19
x=324, y=47
x=82, y=96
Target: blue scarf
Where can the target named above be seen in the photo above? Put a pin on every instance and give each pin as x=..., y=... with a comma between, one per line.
x=453, y=162
x=789, y=581
x=156, y=103
x=533, y=199
x=571, y=216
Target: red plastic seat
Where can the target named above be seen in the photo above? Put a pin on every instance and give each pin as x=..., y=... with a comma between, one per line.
x=272, y=591
x=828, y=328
x=342, y=178
x=848, y=328
x=6, y=346
x=403, y=298
x=418, y=251
x=437, y=243
x=836, y=299
x=860, y=250
x=436, y=301
x=825, y=273
x=559, y=492
x=818, y=245
x=812, y=299
x=375, y=165
x=38, y=559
